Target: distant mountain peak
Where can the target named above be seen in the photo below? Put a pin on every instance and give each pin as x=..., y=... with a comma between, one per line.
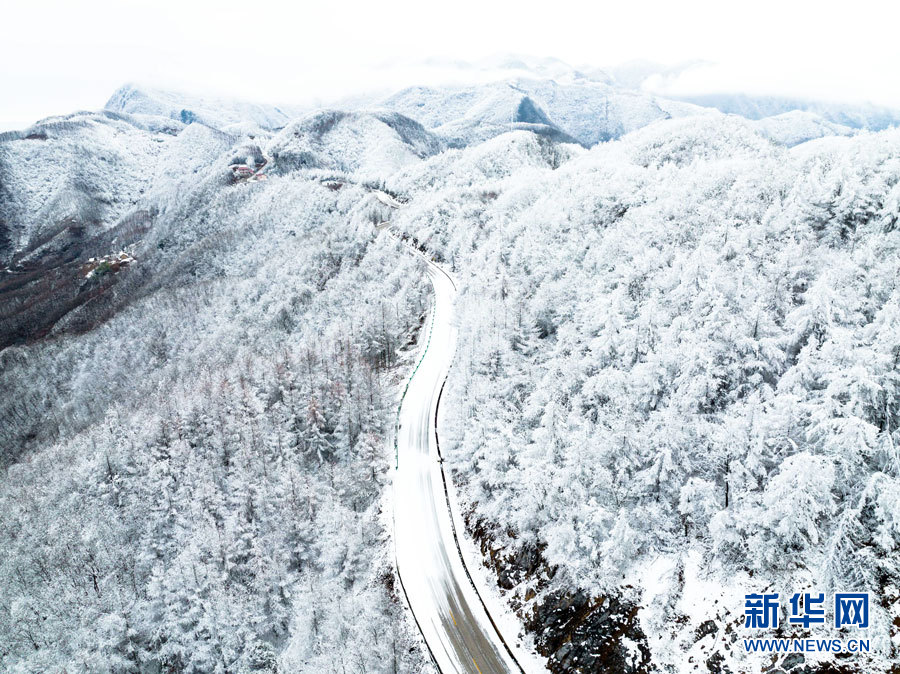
x=216, y=112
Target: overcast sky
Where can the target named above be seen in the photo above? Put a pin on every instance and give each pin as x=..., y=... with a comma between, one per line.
x=61, y=56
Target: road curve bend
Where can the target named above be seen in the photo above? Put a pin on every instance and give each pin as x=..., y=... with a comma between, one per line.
x=455, y=623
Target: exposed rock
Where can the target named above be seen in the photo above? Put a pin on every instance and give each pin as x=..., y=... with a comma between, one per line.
x=708, y=627
x=793, y=660
x=579, y=634
x=716, y=663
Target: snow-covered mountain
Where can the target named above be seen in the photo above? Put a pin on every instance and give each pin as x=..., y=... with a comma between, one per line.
x=856, y=116
x=588, y=112
x=665, y=341
x=361, y=144
x=675, y=381
x=545, y=96
x=798, y=126
x=212, y=111
x=646, y=75
x=274, y=298
x=83, y=172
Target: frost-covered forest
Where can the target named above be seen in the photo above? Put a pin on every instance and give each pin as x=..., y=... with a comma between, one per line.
x=679, y=365
x=677, y=377
x=195, y=483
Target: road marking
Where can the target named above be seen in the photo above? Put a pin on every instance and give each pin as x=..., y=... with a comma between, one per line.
x=476, y=665
x=454, y=619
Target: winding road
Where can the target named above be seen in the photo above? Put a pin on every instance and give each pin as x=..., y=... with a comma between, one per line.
x=455, y=623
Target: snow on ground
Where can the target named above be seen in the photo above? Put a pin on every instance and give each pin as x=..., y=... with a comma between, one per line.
x=614, y=277
x=366, y=145
x=795, y=127
x=494, y=598
x=83, y=167
x=213, y=111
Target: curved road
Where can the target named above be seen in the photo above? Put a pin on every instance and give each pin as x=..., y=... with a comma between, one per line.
x=448, y=610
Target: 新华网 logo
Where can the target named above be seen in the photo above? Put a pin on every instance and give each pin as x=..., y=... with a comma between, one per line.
x=848, y=609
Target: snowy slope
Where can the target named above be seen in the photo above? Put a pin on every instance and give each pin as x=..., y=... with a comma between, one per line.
x=271, y=307
x=591, y=105
x=856, y=116
x=186, y=108
x=84, y=170
x=650, y=76
x=79, y=174
x=665, y=340
x=587, y=111
x=368, y=145
x=797, y=126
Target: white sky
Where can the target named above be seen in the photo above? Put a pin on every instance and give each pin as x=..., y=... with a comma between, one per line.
x=60, y=56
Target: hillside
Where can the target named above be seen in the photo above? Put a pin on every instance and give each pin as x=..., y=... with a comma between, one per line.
x=359, y=144
x=796, y=127
x=589, y=112
x=86, y=168
x=677, y=378
x=186, y=108
x=237, y=376
x=860, y=116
